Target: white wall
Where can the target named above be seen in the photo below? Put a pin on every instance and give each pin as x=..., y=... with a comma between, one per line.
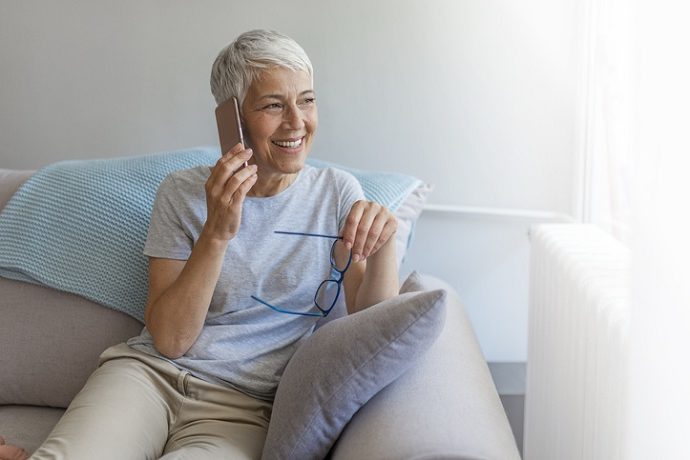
x=474, y=97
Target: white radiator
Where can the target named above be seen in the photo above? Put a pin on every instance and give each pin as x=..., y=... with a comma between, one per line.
x=577, y=344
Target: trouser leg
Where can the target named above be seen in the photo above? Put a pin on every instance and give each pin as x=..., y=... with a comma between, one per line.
x=216, y=439
x=218, y=422
x=119, y=414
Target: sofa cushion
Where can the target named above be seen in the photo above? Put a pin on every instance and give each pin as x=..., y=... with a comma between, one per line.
x=27, y=426
x=404, y=195
x=450, y=385
x=80, y=226
x=58, y=336
x=344, y=364
x=50, y=342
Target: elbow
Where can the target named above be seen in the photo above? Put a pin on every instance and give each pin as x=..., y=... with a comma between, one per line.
x=167, y=341
x=170, y=348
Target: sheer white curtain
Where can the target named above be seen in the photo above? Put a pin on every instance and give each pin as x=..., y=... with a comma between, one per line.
x=606, y=115
x=635, y=151
x=659, y=384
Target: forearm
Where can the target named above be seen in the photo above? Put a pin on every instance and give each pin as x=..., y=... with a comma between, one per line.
x=176, y=317
x=380, y=280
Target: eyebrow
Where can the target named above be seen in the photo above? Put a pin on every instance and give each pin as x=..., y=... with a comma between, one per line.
x=279, y=96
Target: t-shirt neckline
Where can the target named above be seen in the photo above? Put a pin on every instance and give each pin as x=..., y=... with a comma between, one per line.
x=280, y=194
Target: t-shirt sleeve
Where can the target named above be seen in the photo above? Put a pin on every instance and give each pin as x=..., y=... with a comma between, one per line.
x=350, y=192
x=166, y=237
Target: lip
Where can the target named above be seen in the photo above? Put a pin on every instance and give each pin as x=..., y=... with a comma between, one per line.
x=290, y=149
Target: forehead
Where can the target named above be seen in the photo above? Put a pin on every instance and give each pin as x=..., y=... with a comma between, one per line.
x=280, y=81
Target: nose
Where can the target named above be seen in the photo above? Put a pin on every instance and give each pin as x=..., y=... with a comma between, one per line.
x=293, y=117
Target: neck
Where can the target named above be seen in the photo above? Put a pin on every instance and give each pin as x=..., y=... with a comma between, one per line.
x=271, y=185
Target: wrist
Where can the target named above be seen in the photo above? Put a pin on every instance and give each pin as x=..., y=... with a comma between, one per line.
x=212, y=242
x=385, y=253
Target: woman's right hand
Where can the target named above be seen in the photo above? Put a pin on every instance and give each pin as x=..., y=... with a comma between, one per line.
x=226, y=188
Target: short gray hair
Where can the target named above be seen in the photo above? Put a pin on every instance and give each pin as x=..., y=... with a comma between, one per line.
x=239, y=63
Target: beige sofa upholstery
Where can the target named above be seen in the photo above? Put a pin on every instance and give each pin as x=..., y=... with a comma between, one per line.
x=446, y=406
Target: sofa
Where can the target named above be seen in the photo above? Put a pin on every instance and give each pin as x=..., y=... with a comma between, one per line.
x=444, y=406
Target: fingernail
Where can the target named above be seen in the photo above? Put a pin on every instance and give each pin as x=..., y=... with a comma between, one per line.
x=348, y=245
x=356, y=258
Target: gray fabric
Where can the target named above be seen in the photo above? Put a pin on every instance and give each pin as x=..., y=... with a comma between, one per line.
x=407, y=215
x=27, y=426
x=446, y=406
x=344, y=364
x=51, y=341
x=10, y=180
x=244, y=343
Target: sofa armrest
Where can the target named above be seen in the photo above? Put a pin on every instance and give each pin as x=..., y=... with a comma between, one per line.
x=446, y=406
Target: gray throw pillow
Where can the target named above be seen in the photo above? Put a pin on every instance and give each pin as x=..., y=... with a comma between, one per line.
x=343, y=365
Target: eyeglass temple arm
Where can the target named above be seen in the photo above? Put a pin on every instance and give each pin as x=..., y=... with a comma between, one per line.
x=308, y=234
x=285, y=311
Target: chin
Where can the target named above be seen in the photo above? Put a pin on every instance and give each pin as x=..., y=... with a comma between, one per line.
x=290, y=164
x=293, y=167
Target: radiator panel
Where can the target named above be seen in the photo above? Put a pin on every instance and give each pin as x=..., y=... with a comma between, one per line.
x=577, y=344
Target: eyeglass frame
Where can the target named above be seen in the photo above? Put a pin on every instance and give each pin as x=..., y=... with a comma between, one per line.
x=322, y=312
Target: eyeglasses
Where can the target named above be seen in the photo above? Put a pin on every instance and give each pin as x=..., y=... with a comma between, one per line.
x=328, y=291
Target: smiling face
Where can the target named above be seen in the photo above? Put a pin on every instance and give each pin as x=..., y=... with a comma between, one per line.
x=280, y=119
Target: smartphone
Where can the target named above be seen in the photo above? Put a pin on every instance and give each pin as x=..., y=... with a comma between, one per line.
x=229, y=125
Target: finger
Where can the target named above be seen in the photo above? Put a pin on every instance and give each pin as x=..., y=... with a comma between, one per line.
x=234, y=150
x=244, y=188
x=237, y=148
x=235, y=160
x=351, y=223
x=374, y=233
x=388, y=231
x=240, y=194
x=234, y=182
x=225, y=168
x=362, y=233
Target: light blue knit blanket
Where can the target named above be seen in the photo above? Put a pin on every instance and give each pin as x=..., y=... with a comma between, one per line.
x=80, y=226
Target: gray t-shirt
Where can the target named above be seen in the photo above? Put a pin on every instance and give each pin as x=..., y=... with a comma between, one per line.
x=243, y=343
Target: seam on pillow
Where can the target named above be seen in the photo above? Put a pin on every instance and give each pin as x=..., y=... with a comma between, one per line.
x=378, y=352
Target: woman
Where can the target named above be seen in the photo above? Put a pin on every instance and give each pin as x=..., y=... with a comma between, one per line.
x=237, y=259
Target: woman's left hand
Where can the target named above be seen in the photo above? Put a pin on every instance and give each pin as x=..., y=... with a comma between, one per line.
x=368, y=227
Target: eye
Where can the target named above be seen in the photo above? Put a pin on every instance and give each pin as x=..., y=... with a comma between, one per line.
x=274, y=107
x=309, y=101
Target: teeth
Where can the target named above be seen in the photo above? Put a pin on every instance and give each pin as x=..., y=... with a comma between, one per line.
x=290, y=145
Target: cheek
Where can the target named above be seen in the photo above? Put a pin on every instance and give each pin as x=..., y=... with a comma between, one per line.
x=259, y=129
x=313, y=123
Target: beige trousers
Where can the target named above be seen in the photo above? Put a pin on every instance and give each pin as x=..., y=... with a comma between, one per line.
x=136, y=406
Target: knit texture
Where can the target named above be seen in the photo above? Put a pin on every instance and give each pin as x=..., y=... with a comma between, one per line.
x=386, y=188
x=80, y=226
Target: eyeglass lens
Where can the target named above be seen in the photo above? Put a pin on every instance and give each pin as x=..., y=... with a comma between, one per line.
x=334, y=263
x=326, y=294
